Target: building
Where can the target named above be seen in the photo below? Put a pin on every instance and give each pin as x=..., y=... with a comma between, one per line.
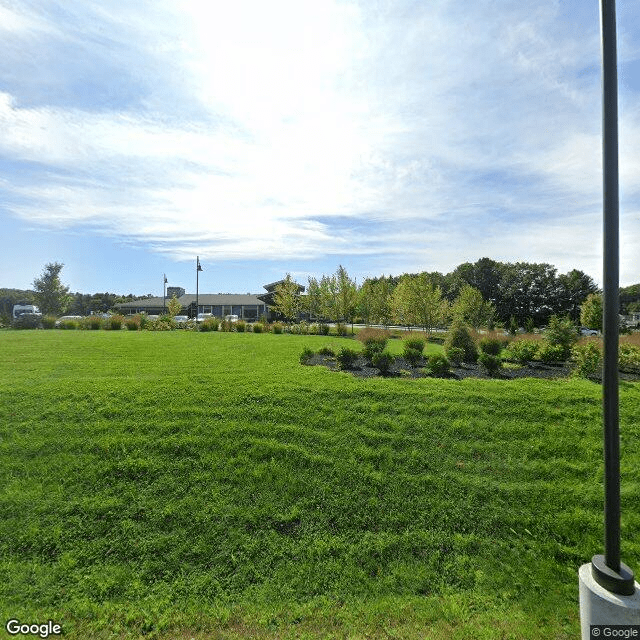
x=245, y=306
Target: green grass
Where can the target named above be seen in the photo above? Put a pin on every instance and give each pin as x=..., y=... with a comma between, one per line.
x=206, y=485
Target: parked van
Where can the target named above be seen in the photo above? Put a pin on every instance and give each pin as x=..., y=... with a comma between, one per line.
x=21, y=309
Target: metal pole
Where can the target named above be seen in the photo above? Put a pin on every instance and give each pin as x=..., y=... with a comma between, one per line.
x=607, y=570
x=164, y=295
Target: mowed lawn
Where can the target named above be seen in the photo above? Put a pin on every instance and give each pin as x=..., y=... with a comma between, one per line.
x=207, y=485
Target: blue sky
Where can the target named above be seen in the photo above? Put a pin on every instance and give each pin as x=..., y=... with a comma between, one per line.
x=293, y=136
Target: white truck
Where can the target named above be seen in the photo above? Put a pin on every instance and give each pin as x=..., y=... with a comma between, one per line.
x=21, y=309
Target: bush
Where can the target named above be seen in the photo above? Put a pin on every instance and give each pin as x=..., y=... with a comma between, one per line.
x=27, y=321
x=438, y=364
x=588, y=360
x=306, y=355
x=258, y=328
x=323, y=330
x=370, y=332
x=209, y=324
x=132, y=323
x=67, y=324
x=346, y=358
x=629, y=357
x=491, y=363
x=458, y=336
x=414, y=343
x=382, y=361
x=550, y=353
x=491, y=346
x=562, y=331
x=277, y=328
x=523, y=351
x=341, y=329
x=412, y=356
x=455, y=355
x=94, y=323
x=48, y=322
x=241, y=325
x=326, y=351
x=115, y=322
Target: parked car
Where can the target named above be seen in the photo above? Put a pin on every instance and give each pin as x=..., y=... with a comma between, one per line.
x=231, y=318
x=59, y=321
x=588, y=332
x=181, y=318
x=203, y=316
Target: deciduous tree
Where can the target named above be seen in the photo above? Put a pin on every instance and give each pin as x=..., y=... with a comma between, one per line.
x=51, y=295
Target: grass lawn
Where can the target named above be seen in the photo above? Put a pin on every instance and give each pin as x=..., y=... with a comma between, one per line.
x=206, y=485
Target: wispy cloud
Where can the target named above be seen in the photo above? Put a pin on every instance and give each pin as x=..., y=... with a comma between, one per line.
x=253, y=130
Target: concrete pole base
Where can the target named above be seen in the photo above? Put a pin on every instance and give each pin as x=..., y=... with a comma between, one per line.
x=599, y=606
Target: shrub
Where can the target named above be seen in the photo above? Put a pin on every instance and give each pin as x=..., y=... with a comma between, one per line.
x=94, y=323
x=346, y=358
x=67, y=324
x=27, y=321
x=314, y=328
x=323, y=329
x=326, y=351
x=189, y=325
x=48, y=322
x=241, y=326
x=160, y=324
x=373, y=347
x=455, y=356
x=438, y=364
x=382, y=361
x=132, y=323
x=412, y=356
x=370, y=332
x=341, y=329
x=258, y=328
x=550, y=353
x=490, y=362
x=414, y=343
x=459, y=336
x=115, y=322
x=629, y=357
x=562, y=331
x=277, y=328
x=523, y=351
x=210, y=324
x=492, y=346
x=306, y=355
x=588, y=360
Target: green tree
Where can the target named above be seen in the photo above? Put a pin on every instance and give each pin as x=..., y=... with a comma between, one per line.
x=51, y=295
x=416, y=301
x=346, y=296
x=174, y=306
x=591, y=312
x=472, y=308
x=381, y=291
x=286, y=299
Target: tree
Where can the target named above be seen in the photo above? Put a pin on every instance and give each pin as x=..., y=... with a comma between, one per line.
x=416, y=301
x=174, y=306
x=591, y=312
x=472, y=307
x=51, y=295
x=286, y=299
x=346, y=296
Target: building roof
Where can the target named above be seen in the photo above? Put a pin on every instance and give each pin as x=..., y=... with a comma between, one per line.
x=227, y=299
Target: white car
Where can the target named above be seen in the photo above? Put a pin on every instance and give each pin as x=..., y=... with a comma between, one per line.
x=588, y=332
x=203, y=316
x=231, y=318
x=181, y=318
x=65, y=318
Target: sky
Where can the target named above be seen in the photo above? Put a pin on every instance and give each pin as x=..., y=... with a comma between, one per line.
x=293, y=136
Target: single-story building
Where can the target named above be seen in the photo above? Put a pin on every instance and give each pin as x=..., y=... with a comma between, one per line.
x=245, y=306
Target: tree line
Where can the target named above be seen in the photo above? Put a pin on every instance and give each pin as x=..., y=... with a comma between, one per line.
x=54, y=298
x=483, y=293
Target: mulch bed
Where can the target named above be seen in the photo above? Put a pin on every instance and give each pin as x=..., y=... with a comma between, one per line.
x=402, y=369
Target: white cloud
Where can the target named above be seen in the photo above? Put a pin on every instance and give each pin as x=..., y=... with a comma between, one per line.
x=276, y=128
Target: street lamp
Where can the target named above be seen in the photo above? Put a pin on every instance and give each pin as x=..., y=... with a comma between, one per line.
x=198, y=270
x=164, y=295
x=608, y=591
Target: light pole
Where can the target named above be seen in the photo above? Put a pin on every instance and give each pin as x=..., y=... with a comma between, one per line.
x=164, y=295
x=198, y=270
x=608, y=591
